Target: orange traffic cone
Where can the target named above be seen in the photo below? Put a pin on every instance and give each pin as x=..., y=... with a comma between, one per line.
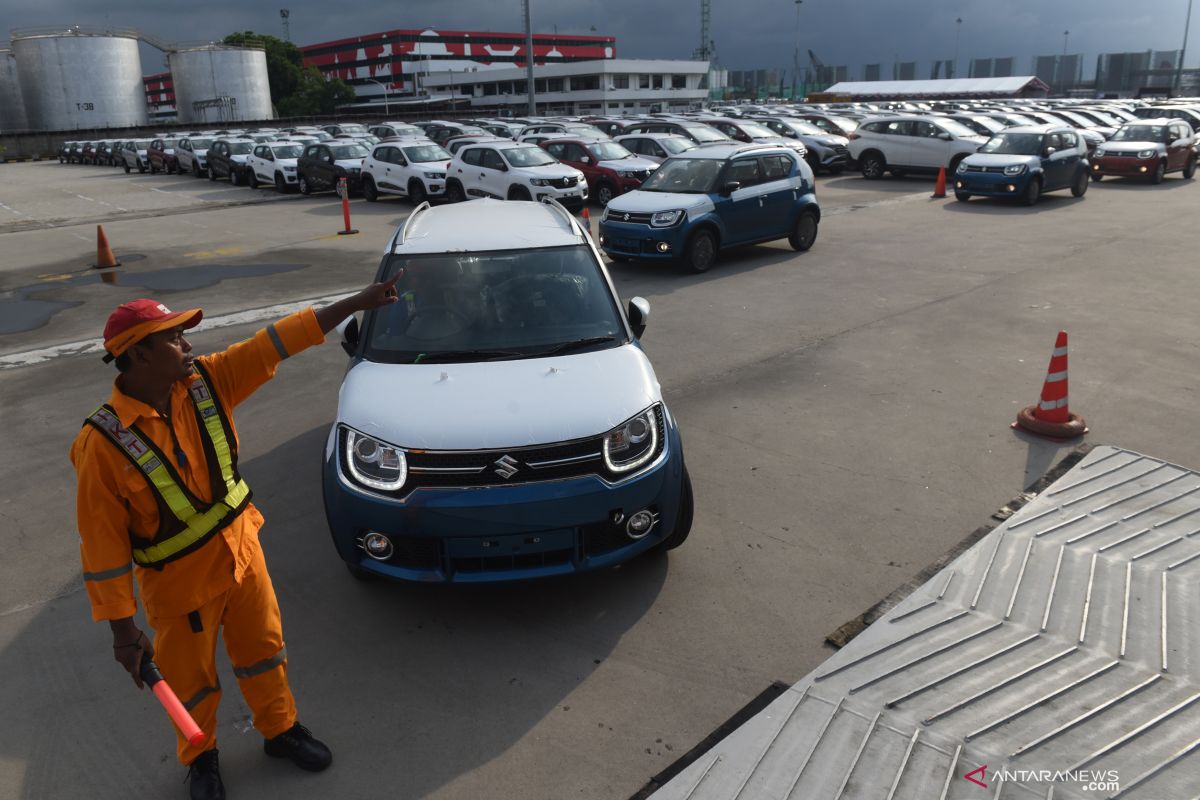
x=104, y=253
x=587, y=221
x=940, y=189
x=1052, y=417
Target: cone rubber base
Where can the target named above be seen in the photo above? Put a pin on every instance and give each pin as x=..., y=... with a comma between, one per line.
x=347, y=233
x=1073, y=428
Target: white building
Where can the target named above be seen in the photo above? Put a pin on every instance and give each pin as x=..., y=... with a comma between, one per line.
x=611, y=86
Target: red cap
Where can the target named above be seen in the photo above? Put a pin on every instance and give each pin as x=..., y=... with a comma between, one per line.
x=137, y=319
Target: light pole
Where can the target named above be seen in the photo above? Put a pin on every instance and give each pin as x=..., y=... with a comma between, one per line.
x=387, y=109
x=529, y=59
x=283, y=15
x=1062, y=65
x=957, y=34
x=796, y=52
x=1183, y=50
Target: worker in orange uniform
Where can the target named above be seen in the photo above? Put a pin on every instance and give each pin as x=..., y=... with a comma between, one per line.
x=160, y=497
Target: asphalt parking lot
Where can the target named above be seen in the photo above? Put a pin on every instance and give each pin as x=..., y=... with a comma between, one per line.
x=845, y=415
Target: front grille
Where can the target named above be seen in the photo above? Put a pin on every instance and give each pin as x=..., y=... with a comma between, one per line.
x=841, y=150
x=631, y=217
x=638, y=174
x=603, y=537
x=550, y=558
x=563, y=183
x=974, y=168
x=416, y=552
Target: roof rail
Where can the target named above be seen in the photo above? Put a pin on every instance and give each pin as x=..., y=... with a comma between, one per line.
x=575, y=226
x=399, y=240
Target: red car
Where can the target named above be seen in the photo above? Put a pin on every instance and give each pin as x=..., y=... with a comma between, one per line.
x=161, y=155
x=610, y=169
x=1148, y=148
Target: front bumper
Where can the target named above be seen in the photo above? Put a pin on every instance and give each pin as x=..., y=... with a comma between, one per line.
x=1123, y=165
x=833, y=159
x=571, y=196
x=992, y=184
x=504, y=533
x=635, y=240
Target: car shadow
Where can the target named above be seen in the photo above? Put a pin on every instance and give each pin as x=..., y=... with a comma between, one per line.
x=989, y=205
x=412, y=686
x=664, y=277
x=888, y=183
x=1170, y=183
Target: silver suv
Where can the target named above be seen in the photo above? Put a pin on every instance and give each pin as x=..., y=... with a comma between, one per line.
x=911, y=144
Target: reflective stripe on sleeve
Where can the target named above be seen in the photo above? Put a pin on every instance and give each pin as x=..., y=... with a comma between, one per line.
x=275, y=340
x=266, y=665
x=108, y=574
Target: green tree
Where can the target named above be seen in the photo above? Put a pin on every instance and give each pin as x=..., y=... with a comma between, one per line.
x=297, y=90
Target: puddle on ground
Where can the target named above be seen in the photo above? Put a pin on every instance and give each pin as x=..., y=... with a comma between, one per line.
x=21, y=311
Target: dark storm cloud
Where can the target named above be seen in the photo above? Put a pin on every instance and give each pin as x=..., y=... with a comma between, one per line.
x=747, y=33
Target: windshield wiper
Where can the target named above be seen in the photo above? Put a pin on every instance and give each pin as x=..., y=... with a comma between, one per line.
x=467, y=355
x=575, y=345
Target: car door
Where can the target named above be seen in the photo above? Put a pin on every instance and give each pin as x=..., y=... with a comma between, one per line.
x=928, y=149
x=322, y=173
x=1178, y=149
x=184, y=152
x=780, y=193
x=1068, y=146
x=493, y=174
x=469, y=172
x=385, y=168
x=743, y=212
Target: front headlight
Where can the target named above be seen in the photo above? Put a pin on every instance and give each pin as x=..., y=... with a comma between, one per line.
x=665, y=219
x=289, y=169
x=434, y=176
x=962, y=166
x=632, y=443
x=1099, y=152
x=539, y=181
x=375, y=464
x=1014, y=169
x=1147, y=154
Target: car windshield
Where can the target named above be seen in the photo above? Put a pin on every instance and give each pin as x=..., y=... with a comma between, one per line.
x=528, y=157
x=522, y=302
x=1141, y=133
x=287, y=151
x=703, y=133
x=200, y=144
x=684, y=175
x=407, y=130
x=169, y=144
x=352, y=128
x=470, y=131
x=800, y=126
x=1017, y=144
x=955, y=127
x=756, y=131
x=140, y=144
x=610, y=151
x=240, y=148
x=341, y=151
x=426, y=152
x=676, y=144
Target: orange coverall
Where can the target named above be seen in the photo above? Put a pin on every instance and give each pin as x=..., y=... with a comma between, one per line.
x=225, y=582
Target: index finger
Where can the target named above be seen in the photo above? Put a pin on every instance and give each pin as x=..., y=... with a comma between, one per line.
x=390, y=282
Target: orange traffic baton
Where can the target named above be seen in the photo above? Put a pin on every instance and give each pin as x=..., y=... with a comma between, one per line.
x=153, y=678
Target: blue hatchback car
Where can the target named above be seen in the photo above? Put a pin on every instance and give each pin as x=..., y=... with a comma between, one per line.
x=1023, y=162
x=711, y=198
x=501, y=421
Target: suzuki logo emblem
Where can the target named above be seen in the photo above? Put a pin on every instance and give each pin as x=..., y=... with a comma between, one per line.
x=626, y=218
x=506, y=467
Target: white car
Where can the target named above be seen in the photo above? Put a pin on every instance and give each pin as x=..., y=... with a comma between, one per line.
x=391, y=130
x=911, y=144
x=192, y=154
x=274, y=163
x=134, y=153
x=412, y=168
x=501, y=421
x=580, y=130
x=655, y=146
x=513, y=171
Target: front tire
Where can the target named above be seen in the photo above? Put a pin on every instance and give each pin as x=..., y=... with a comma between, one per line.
x=605, y=193
x=127, y=169
x=1189, y=169
x=700, y=252
x=1033, y=192
x=141, y=167
x=280, y=183
x=416, y=192
x=519, y=193
x=305, y=187
x=1080, y=187
x=454, y=192
x=369, y=191
x=252, y=179
x=1159, y=173
x=683, y=519
x=962, y=197
x=212, y=172
x=235, y=179
x=1097, y=176
x=804, y=232
x=872, y=166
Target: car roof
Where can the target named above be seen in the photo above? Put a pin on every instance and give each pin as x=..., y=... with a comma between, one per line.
x=1045, y=128
x=719, y=151
x=655, y=135
x=1153, y=121
x=487, y=224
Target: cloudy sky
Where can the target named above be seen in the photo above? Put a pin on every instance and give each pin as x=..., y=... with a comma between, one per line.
x=748, y=33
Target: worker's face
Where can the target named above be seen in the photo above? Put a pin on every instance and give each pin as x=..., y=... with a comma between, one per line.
x=166, y=355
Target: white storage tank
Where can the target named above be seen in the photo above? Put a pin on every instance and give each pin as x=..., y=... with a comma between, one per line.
x=12, y=105
x=73, y=79
x=221, y=83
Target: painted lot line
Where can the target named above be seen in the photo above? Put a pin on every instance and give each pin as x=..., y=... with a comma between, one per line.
x=96, y=346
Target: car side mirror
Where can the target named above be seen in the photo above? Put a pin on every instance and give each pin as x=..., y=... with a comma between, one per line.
x=639, y=315
x=350, y=334
x=586, y=160
x=730, y=187
x=1049, y=151
x=945, y=137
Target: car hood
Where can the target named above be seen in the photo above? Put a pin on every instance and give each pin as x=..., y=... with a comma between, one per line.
x=1131, y=147
x=1001, y=160
x=203, y=152
x=627, y=164
x=827, y=141
x=639, y=201
x=238, y=158
x=551, y=171
x=497, y=404
x=286, y=162
x=349, y=163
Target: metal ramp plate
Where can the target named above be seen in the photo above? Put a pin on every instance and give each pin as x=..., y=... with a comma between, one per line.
x=1065, y=641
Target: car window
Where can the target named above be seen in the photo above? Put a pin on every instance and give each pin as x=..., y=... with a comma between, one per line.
x=284, y=150
x=528, y=157
x=575, y=152
x=557, y=149
x=746, y=171
x=471, y=156
x=924, y=130
x=1069, y=139
x=490, y=159
x=525, y=301
x=776, y=167
x=685, y=175
x=239, y=148
x=422, y=153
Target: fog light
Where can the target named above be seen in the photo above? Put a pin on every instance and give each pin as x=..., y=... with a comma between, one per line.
x=378, y=546
x=1011, y=188
x=959, y=184
x=602, y=238
x=639, y=524
x=1141, y=169
x=664, y=247
x=1095, y=166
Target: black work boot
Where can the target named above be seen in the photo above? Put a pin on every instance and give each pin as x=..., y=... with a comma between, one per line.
x=205, y=778
x=298, y=744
